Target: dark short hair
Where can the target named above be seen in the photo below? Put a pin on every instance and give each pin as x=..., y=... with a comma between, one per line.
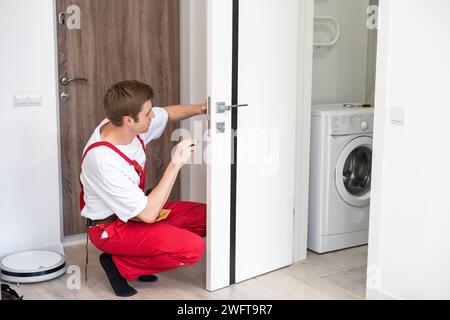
x=126, y=99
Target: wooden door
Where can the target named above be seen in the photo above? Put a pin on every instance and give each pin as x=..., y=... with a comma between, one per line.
x=107, y=41
x=253, y=61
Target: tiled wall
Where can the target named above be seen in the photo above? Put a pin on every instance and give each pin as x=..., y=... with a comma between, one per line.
x=339, y=72
x=372, y=42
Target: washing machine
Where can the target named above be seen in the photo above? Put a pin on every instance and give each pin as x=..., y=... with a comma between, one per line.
x=340, y=176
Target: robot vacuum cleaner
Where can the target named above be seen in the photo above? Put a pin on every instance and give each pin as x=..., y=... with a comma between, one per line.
x=32, y=266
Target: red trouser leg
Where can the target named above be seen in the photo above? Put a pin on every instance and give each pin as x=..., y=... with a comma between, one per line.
x=140, y=249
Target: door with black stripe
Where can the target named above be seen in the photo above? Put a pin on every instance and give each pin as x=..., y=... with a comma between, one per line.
x=252, y=85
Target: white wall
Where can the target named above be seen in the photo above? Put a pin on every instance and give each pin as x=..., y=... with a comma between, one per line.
x=29, y=166
x=409, y=244
x=193, y=90
x=339, y=72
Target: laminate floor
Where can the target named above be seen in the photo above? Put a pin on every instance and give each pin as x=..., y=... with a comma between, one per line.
x=336, y=276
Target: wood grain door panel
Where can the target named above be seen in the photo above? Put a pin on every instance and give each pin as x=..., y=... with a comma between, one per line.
x=118, y=40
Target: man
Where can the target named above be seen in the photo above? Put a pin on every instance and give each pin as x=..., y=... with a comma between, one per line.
x=137, y=244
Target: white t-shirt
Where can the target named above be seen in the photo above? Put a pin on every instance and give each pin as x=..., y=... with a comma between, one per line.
x=110, y=183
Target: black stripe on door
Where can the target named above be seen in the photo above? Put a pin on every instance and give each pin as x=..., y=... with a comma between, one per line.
x=234, y=122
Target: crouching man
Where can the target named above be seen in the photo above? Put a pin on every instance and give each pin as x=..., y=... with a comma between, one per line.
x=140, y=235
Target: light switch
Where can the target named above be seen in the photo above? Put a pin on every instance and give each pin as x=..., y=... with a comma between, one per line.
x=27, y=99
x=34, y=100
x=398, y=116
x=20, y=100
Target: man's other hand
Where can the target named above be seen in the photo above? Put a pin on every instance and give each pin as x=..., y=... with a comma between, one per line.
x=183, y=151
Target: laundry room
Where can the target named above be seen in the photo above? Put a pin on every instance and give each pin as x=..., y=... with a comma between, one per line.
x=342, y=120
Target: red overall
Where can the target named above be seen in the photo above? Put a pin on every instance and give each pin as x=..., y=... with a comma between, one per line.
x=139, y=248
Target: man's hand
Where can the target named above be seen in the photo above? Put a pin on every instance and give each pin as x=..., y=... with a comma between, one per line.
x=204, y=108
x=183, y=152
x=159, y=195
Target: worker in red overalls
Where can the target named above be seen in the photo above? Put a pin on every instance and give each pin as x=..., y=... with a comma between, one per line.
x=141, y=239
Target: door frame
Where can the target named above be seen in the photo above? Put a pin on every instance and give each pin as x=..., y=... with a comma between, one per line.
x=305, y=73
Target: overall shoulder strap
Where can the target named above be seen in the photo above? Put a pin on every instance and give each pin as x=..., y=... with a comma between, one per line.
x=108, y=145
x=141, y=141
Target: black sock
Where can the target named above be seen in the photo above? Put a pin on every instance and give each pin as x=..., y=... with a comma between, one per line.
x=148, y=278
x=118, y=283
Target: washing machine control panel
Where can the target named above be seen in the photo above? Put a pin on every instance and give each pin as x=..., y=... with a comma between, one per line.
x=351, y=124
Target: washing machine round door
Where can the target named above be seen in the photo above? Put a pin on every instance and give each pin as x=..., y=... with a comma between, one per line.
x=353, y=175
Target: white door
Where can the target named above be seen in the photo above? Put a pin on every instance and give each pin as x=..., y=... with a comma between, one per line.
x=252, y=59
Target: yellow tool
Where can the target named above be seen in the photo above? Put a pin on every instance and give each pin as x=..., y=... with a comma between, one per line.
x=163, y=214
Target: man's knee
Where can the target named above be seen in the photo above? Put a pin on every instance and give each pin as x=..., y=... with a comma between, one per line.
x=197, y=250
